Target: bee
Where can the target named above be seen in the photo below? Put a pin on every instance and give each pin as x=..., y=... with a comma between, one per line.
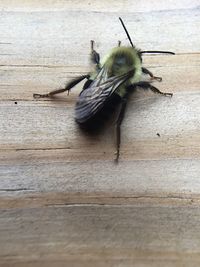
x=109, y=86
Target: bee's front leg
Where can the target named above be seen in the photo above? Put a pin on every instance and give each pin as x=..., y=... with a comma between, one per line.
x=119, y=43
x=95, y=57
x=146, y=71
x=67, y=87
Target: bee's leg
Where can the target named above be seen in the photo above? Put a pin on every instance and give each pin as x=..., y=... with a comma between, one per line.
x=147, y=85
x=95, y=57
x=68, y=86
x=146, y=71
x=119, y=43
x=87, y=84
x=118, y=124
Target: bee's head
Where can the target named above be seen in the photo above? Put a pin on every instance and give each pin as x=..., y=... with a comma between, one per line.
x=121, y=60
x=122, y=56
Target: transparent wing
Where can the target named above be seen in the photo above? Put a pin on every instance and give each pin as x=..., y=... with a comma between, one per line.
x=92, y=99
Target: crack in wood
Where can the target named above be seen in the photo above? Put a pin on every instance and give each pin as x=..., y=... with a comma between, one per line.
x=14, y=189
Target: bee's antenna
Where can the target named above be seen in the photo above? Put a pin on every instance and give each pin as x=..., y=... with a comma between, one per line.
x=126, y=32
x=157, y=52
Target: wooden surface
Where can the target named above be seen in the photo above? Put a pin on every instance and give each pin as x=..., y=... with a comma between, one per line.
x=63, y=201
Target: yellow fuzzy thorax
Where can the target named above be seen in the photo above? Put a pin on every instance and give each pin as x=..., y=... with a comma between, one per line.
x=121, y=60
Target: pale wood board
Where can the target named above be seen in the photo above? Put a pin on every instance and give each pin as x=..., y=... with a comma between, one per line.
x=63, y=201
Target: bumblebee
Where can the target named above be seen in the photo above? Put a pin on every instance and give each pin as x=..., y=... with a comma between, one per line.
x=109, y=86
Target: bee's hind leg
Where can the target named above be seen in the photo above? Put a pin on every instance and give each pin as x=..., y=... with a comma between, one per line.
x=146, y=71
x=95, y=57
x=118, y=130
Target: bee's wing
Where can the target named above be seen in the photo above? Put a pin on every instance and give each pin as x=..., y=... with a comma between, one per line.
x=92, y=99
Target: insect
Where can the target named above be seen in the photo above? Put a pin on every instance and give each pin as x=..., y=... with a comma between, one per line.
x=110, y=85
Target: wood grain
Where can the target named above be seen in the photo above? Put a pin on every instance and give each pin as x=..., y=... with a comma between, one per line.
x=108, y=235
x=63, y=201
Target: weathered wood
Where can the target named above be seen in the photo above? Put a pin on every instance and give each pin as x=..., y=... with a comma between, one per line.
x=98, y=6
x=84, y=179
x=55, y=38
x=179, y=73
x=50, y=125
x=63, y=201
x=101, y=235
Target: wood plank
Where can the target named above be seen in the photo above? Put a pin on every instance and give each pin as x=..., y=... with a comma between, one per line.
x=100, y=5
x=49, y=38
x=142, y=235
x=63, y=201
x=53, y=126
x=179, y=73
x=24, y=198
x=159, y=179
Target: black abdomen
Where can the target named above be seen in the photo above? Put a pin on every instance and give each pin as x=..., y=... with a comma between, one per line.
x=97, y=120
